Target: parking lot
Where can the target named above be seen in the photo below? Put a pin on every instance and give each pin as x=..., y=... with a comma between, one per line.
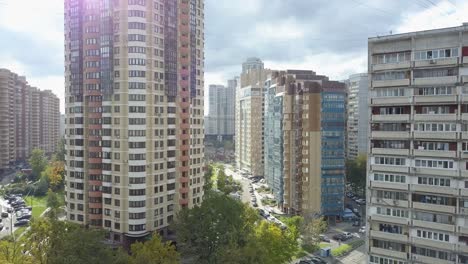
x=14, y=214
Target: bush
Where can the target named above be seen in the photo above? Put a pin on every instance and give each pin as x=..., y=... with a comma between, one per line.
x=346, y=248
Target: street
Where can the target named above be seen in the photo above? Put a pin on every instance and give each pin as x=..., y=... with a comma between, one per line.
x=7, y=224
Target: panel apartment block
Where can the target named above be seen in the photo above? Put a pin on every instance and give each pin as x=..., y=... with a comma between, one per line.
x=418, y=163
x=134, y=113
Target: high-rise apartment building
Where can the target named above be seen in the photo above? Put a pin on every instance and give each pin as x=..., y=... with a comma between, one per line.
x=304, y=142
x=418, y=167
x=357, y=87
x=249, y=120
x=220, y=120
x=252, y=64
x=134, y=113
x=29, y=119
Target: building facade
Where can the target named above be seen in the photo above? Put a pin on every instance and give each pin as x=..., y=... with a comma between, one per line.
x=417, y=196
x=220, y=120
x=273, y=140
x=134, y=113
x=357, y=87
x=252, y=64
x=249, y=125
x=304, y=142
x=29, y=119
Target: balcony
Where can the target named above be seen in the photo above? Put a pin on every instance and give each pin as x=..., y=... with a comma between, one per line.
x=435, y=153
x=465, y=59
x=404, y=100
x=184, y=190
x=94, y=194
x=436, y=80
x=184, y=147
x=184, y=179
x=389, y=185
x=399, y=169
x=390, y=134
x=463, y=211
x=436, y=99
x=434, y=225
x=185, y=125
x=184, y=104
x=462, y=247
x=388, y=151
x=390, y=219
x=183, y=201
x=184, y=136
x=434, y=189
x=184, y=61
x=435, y=117
x=389, y=83
x=435, y=135
x=184, y=83
x=390, y=118
x=391, y=66
x=184, y=29
x=463, y=230
x=424, y=259
x=434, y=207
x=184, y=39
x=184, y=158
x=433, y=243
x=391, y=202
x=389, y=253
x=436, y=62
x=436, y=172
x=389, y=236
x=184, y=72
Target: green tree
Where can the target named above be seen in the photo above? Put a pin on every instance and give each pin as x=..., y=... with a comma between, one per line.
x=11, y=252
x=54, y=173
x=205, y=231
x=356, y=174
x=59, y=154
x=38, y=162
x=55, y=242
x=311, y=230
x=53, y=202
x=208, y=178
x=153, y=251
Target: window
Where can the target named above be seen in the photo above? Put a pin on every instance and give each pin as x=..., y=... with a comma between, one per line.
x=136, y=73
x=392, y=57
x=439, y=164
x=438, y=90
x=431, y=73
x=136, y=25
x=137, y=2
x=136, y=37
x=434, y=181
x=390, y=161
x=434, y=110
x=390, y=178
x=136, y=204
x=136, y=13
x=392, y=212
x=435, y=54
x=391, y=75
x=389, y=92
x=435, y=127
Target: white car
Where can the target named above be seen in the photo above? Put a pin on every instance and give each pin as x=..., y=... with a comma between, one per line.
x=362, y=230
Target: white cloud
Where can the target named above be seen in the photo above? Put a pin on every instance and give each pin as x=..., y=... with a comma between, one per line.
x=287, y=29
x=443, y=14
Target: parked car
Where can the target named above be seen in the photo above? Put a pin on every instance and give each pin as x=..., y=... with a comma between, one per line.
x=9, y=210
x=356, y=223
x=255, y=204
x=22, y=222
x=317, y=260
x=1, y=227
x=24, y=216
x=324, y=238
x=361, y=201
x=347, y=235
x=338, y=237
x=362, y=230
x=4, y=214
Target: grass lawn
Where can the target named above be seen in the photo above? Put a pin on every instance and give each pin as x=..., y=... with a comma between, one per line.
x=20, y=230
x=324, y=245
x=38, y=204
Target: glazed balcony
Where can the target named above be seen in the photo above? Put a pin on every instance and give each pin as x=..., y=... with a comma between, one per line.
x=95, y=216
x=424, y=259
x=434, y=189
x=184, y=61
x=184, y=136
x=403, y=100
x=435, y=135
x=185, y=125
x=184, y=158
x=390, y=219
x=184, y=147
x=184, y=51
x=389, y=185
x=184, y=72
x=435, y=153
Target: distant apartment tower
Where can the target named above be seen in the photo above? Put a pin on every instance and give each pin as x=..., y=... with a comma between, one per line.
x=29, y=119
x=134, y=113
x=252, y=64
x=249, y=120
x=418, y=164
x=220, y=120
x=357, y=87
x=304, y=137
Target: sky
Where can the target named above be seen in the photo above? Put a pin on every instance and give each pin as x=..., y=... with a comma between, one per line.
x=326, y=36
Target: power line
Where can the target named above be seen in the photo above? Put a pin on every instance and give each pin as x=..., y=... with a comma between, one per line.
x=372, y=7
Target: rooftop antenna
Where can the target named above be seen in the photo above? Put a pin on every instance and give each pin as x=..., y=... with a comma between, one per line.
x=391, y=32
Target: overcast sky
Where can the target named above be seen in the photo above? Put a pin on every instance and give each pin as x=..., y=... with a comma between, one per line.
x=327, y=36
